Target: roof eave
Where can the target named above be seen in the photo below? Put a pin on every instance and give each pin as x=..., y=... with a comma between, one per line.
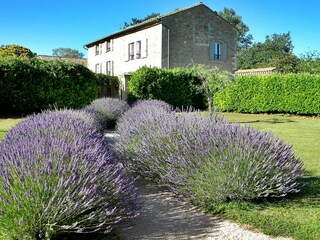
x=127, y=30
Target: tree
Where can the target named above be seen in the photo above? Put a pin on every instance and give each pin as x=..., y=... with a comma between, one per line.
x=16, y=50
x=244, y=39
x=275, y=51
x=310, y=62
x=213, y=80
x=137, y=20
x=67, y=53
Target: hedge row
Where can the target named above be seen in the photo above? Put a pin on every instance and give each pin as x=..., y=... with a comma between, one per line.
x=31, y=85
x=290, y=93
x=178, y=87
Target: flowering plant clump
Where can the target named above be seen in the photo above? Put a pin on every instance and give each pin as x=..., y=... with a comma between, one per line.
x=206, y=159
x=107, y=110
x=228, y=162
x=141, y=128
x=57, y=175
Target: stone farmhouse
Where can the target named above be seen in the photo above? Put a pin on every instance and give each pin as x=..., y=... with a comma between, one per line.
x=192, y=35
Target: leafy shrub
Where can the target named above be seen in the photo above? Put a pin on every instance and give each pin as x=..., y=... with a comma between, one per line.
x=290, y=93
x=107, y=80
x=107, y=110
x=32, y=85
x=206, y=159
x=57, y=175
x=178, y=87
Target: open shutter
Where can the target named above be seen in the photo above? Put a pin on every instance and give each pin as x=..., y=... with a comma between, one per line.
x=144, y=48
x=224, y=51
x=126, y=51
x=212, y=50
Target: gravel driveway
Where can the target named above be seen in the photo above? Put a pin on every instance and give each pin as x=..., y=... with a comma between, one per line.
x=166, y=217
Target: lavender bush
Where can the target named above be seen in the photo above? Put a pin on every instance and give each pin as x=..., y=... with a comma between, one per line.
x=141, y=128
x=57, y=175
x=230, y=162
x=205, y=159
x=107, y=110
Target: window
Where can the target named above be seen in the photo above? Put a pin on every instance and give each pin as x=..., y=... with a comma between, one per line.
x=138, y=49
x=108, y=68
x=131, y=51
x=96, y=70
x=97, y=49
x=218, y=51
x=108, y=46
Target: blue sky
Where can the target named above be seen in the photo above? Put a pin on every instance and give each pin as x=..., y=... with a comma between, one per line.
x=43, y=25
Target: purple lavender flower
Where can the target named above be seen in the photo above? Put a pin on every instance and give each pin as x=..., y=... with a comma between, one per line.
x=61, y=177
x=107, y=110
x=205, y=159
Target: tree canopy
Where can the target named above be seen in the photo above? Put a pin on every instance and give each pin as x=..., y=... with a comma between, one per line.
x=275, y=51
x=67, y=53
x=244, y=38
x=16, y=50
x=140, y=20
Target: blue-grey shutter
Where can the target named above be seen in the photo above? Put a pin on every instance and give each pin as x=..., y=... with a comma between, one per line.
x=224, y=51
x=212, y=50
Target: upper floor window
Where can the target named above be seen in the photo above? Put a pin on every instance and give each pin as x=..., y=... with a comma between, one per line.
x=218, y=51
x=97, y=49
x=109, y=45
x=131, y=51
x=138, y=49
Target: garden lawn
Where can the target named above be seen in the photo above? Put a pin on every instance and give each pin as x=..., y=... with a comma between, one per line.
x=296, y=216
x=6, y=124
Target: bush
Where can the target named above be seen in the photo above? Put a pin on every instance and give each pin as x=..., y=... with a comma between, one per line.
x=178, y=87
x=107, y=80
x=31, y=85
x=57, y=175
x=140, y=130
x=228, y=162
x=107, y=111
x=290, y=93
x=206, y=159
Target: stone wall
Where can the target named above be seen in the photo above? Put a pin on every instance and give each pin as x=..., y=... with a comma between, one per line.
x=190, y=34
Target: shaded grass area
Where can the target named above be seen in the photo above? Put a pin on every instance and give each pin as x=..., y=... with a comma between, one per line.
x=6, y=124
x=296, y=216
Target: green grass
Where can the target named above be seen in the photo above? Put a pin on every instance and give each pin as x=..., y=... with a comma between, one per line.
x=6, y=124
x=296, y=216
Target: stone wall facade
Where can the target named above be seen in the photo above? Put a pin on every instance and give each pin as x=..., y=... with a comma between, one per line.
x=191, y=33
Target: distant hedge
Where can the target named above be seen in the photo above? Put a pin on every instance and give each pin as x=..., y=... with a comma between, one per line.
x=31, y=85
x=276, y=93
x=178, y=87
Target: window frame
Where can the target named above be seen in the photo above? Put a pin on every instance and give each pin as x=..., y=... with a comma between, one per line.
x=131, y=51
x=138, y=49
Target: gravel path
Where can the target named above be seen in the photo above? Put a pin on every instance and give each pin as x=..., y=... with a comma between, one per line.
x=165, y=217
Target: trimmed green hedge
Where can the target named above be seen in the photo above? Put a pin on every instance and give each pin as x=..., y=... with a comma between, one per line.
x=178, y=87
x=276, y=93
x=31, y=85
